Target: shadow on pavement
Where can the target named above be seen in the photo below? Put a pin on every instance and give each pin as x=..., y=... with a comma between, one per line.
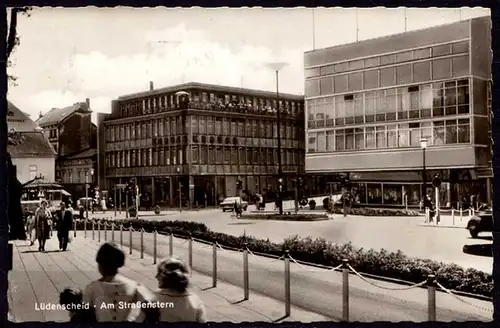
x=483, y=238
x=478, y=250
x=240, y=223
x=37, y=251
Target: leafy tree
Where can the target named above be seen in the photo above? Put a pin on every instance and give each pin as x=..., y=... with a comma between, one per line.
x=13, y=39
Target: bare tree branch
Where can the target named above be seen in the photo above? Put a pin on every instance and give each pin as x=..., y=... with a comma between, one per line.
x=12, y=39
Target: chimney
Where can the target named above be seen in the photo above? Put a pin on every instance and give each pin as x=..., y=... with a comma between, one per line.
x=151, y=86
x=87, y=101
x=40, y=115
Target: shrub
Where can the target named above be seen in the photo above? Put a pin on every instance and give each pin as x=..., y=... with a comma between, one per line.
x=367, y=211
x=132, y=211
x=157, y=210
x=303, y=202
x=320, y=251
x=312, y=204
x=326, y=203
x=285, y=217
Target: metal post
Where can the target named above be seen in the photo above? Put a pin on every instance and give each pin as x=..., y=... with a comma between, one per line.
x=112, y=232
x=126, y=204
x=99, y=231
x=105, y=231
x=130, y=239
x=180, y=192
x=431, y=297
x=86, y=201
x=171, y=244
x=245, y=273
x=154, y=247
x=214, y=266
x=437, y=206
x=345, y=290
x=142, y=243
x=424, y=177
x=93, y=230
x=288, y=298
x=74, y=228
x=453, y=215
x=120, y=202
x=190, y=244
x=115, y=201
x=121, y=235
x=427, y=213
x=343, y=202
x=278, y=123
x=460, y=213
x=85, y=228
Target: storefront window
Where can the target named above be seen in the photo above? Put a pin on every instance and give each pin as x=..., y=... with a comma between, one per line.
x=412, y=192
x=374, y=193
x=393, y=194
x=358, y=190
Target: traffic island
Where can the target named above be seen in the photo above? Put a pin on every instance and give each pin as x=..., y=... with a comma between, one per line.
x=285, y=217
x=479, y=250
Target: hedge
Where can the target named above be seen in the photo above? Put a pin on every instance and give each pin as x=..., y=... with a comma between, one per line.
x=367, y=211
x=382, y=263
x=285, y=217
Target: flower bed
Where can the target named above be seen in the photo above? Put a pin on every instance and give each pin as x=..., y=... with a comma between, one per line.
x=367, y=211
x=285, y=217
x=382, y=263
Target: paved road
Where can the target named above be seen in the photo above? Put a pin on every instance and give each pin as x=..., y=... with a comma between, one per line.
x=320, y=291
x=409, y=234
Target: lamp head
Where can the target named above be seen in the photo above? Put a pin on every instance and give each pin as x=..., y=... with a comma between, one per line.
x=178, y=169
x=277, y=66
x=91, y=171
x=423, y=143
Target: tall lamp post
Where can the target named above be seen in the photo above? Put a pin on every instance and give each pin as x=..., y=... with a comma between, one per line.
x=277, y=67
x=423, y=145
x=179, y=185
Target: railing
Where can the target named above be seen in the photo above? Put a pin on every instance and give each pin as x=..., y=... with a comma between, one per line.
x=430, y=214
x=431, y=283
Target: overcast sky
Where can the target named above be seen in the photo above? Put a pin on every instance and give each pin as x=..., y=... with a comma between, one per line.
x=67, y=55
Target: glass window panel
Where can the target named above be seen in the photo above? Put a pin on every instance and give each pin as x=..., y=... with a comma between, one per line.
x=392, y=136
x=442, y=50
x=403, y=135
x=403, y=103
x=421, y=53
x=403, y=74
x=387, y=76
x=374, y=193
x=441, y=69
x=349, y=109
x=321, y=142
x=311, y=72
x=451, y=132
x=355, y=81
x=393, y=194
x=359, y=142
x=451, y=101
x=415, y=135
x=460, y=66
x=460, y=47
x=463, y=131
x=356, y=64
x=349, y=139
x=329, y=112
x=341, y=67
x=358, y=108
x=422, y=71
x=311, y=143
x=330, y=140
x=404, y=56
x=425, y=100
x=340, y=83
x=381, y=137
x=326, y=70
x=370, y=79
x=426, y=131
x=370, y=138
x=387, y=59
x=391, y=101
x=463, y=99
x=339, y=140
x=438, y=133
x=437, y=100
x=312, y=88
x=339, y=110
x=372, y=62
x=326, y=85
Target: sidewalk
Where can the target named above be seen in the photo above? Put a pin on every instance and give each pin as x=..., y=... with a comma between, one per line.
x=38, y=278
x=447, y=221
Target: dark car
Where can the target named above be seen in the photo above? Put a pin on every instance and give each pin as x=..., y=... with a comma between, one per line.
x=482, y=222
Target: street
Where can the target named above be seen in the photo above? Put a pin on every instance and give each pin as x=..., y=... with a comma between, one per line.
x=407, y=234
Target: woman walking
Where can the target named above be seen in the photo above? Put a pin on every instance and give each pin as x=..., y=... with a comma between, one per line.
x=42, y=225
x=173, y=283
x=115, y=297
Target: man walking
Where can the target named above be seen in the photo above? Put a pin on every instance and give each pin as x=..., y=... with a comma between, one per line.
x=64, y=226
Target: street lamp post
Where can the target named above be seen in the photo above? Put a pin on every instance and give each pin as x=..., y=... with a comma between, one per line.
x=179, y=185
x=423, y=145
x=277, y=67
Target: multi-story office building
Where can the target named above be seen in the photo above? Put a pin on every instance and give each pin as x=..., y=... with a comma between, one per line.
x=369, y=104
x=203, y=137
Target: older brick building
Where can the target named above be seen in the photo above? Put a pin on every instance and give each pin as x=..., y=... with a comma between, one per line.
x=203, y=137
x=74, y=137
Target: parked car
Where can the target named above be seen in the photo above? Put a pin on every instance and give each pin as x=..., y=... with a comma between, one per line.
x=228, y=204
x=482, y=222
x=86, y=202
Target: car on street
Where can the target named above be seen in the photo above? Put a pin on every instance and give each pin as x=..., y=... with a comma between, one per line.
x=228, y=204
x=482, y=222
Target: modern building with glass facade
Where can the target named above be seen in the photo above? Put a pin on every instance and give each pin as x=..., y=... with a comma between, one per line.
x=204, y=137
x=369, y=104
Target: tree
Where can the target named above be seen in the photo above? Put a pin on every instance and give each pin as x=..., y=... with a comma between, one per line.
x=13, y=39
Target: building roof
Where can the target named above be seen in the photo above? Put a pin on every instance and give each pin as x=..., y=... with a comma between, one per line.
x=210, y=87
x=18, y=120
x=57, y=115
x=30, y=144
x=83, y=154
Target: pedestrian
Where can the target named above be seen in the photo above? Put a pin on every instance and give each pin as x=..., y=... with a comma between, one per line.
x=113, y=288
x=237, y=209
x=31, y=228
x=65, y=224
x=71, y=299
x=42, y=225
x=173, y=283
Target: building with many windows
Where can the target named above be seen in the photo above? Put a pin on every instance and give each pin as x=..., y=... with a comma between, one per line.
x=202, y=137
x=369, y=104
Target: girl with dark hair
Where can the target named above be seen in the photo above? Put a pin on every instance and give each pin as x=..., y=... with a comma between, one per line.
x=116, y=298
x=71, y=298
x=173, y=283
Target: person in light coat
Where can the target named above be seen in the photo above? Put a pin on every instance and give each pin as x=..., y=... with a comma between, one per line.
x=179, y=304
x=113, y=296
x=42, y=225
